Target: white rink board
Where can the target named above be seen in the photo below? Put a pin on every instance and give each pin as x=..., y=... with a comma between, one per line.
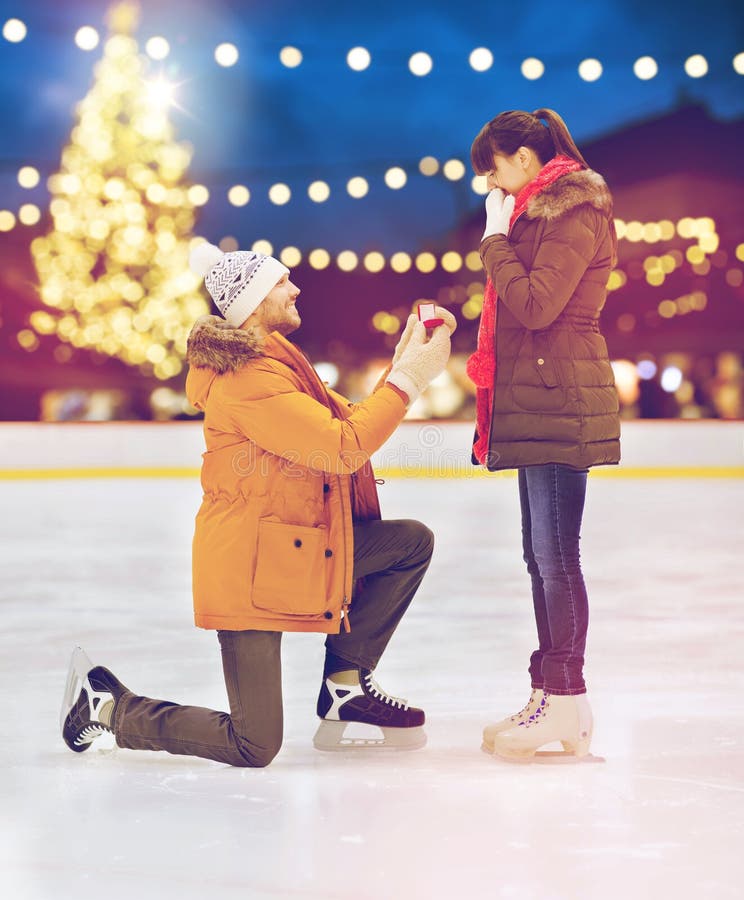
x=433, y=448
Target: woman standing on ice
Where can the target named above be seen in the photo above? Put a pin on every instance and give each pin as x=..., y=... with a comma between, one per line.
x=546, y=399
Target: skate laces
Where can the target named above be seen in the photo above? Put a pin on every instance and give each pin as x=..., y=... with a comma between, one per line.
x=537, y=714
x=378, y=693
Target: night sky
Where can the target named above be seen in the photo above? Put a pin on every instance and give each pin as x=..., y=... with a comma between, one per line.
x=259, y=122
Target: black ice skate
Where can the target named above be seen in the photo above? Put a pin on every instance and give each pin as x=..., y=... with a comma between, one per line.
x=365, y=702
x=89, y=688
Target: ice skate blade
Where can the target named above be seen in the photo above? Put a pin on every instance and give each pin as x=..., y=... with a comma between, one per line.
x=80, y=665
x=331, y=737
x=549, y=758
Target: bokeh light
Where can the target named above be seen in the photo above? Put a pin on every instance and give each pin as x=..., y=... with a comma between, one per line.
x=481, y=59
x=319, y=191
x=645, y=68
x=429, y=165
x=238, y=195
x=532, y=68
x=279, y=194
x=157, y=48
x=358, y=58
x=87, y=38
x=696, y=66
x=590, y=69
x=14, y=31
x=395, y=178
x=420, y=64
x=454, y=169
x=357, y=187
x=226, y=55
x=28, y=177
x=290, y=57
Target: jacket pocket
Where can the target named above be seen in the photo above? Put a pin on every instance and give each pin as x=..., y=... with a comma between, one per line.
x=290, y=569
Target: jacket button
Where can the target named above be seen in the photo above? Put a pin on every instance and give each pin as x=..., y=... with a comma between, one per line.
x=541, y=361
x=298, y=543
x=328, y=614
x=326, y=488
x=329, y=553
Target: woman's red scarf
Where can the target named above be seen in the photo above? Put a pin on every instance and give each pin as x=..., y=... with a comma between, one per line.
x=481, y=366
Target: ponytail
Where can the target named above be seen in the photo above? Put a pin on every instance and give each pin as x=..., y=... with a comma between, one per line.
x=514, y=129
x=562, y=140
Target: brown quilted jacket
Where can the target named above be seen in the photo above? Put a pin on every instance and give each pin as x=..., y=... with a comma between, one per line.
x=555, y=399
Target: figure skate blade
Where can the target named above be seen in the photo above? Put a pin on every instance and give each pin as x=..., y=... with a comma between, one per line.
x=80, y=665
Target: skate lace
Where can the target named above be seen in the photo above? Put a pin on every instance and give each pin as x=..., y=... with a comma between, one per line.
x=378, y=693
x=90, y=733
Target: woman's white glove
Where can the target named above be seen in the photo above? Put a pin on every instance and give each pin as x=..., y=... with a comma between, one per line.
x=420, y=361
x=499, y=211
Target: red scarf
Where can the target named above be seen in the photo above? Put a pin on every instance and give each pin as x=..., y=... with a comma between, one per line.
x=481, y=366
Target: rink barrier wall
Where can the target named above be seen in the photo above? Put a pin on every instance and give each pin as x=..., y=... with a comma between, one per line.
x=432, y=449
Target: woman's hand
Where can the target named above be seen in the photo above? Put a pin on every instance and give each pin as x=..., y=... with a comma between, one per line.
x=499, y=211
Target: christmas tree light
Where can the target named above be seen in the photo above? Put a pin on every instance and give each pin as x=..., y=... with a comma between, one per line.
x=113, y=271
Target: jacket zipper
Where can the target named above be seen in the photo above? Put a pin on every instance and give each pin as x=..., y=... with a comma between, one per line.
x=345, y=618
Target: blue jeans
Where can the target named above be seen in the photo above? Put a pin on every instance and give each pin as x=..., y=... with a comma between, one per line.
x=552, y=501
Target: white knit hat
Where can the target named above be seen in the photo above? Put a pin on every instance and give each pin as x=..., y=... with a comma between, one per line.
x=237, y=281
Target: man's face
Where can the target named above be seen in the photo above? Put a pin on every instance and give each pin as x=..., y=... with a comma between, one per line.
x=278, y=312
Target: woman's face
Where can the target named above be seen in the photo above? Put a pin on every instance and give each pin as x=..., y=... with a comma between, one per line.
x=510, y=173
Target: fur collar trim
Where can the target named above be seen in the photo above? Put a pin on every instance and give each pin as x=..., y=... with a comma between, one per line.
x=217, y=345
x=568, y=192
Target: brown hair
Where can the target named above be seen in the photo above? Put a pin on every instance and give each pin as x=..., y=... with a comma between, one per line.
x=514, y=129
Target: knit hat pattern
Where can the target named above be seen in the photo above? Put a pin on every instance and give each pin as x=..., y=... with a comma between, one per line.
x=237, y=281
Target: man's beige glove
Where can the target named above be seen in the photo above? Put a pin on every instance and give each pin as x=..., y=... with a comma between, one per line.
x=441, y=313
x=420, y=361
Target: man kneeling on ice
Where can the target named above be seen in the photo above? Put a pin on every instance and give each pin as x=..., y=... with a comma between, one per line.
x=289, y=523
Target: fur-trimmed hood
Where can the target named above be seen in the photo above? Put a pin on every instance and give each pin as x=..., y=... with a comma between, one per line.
x=568, y=192
x=216, y=348
x=217, y=345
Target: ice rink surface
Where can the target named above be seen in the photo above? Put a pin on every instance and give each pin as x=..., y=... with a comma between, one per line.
x=106, y=564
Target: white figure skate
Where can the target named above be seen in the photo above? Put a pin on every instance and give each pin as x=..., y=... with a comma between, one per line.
x=567, y=719
x=537, y=698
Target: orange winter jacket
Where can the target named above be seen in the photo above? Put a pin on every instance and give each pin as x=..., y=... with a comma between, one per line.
x=285, y=474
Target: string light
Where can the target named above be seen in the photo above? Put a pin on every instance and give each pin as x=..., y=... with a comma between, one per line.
x=29, y=214
x=226, y=55
x=319, y=259
x=347, y=260
x=28, y=177
x=157, y=48
x=481, y=59
x=532, y=69
x=395, y=178
x=262, y=246
x=420, y=64
x=696, y=66
x=645, y=68
x=453, y=169
x=7, y=220
x=738, y=64
x=374, y=262
x=357, y=187
x=14, y=31
x=279, y=194
x=87, y=38
x=238, y=195
x=358, y=58
x=590, y=69
x=429, y=166
x=290, y=257
x=319, y=191
x=290, y=57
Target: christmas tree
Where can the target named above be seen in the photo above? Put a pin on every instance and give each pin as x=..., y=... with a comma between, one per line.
x=113, y=270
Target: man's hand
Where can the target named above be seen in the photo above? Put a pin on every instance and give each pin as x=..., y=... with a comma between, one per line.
x=421, y=360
